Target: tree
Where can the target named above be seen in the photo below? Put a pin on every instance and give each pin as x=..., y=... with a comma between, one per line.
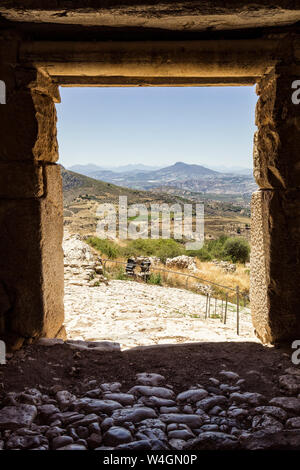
x=237, y=249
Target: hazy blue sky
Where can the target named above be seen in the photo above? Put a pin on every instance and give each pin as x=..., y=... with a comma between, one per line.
x=156, y=126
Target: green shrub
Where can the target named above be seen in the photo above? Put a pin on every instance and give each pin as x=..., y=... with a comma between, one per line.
x=162, y=248
x=216, y=247
x=106, y=247
x=155, y=279
x=223, y=248
x=120, y=275
x=203, y=254
x=212, y=249
x=237, y=249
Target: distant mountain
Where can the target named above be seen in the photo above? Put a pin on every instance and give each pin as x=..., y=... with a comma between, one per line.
x=77, y=186
x=85, y=169
x=91, y=169
x=195, y=178
x=133, y=167
x=182, y=170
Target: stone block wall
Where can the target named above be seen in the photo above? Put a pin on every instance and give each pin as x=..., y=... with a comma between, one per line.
x=275, y=255
x=31, y=220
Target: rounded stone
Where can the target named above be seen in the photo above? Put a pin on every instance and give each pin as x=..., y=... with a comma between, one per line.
x=61, y=441
x=117, y=435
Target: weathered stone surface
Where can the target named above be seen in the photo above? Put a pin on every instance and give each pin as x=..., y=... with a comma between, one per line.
x=144, y=444
x=112, y=387
x=290, y=404
x=31, y=396
x=275, y=233
x=133, y=415
x=229, y=375
x=237, y=423
x=193, y=421
x=252, y=398
x=5, y=305
x=61, y=441
x=31, y=206
x=91, y=405
x=293, y=423
x=208, y=403
x=237, y=413
x=117, y=435
x=94, y=440
x=154, y=380
x=34, y=227
x=47, y=410
x=53, y=432
x=94, y=345
x=183, y=434
x=192, y=396
x=276, y=154
x=37, y=80
x=24, y=442
x=264, y=440
x=267, y=423
x=274, y=411
x=160, y=392
x=152, y=423
x=157, y=402
x=75, y=446
x=65, y=399
x=87, y=420
x=275, y=239
x=290, y=383
x=213, y=441
x=13, y=417
x=172, y=16
x=83, y=267
x=123, y=398
x=31, y=118
x=169, y=409
x=21, y=180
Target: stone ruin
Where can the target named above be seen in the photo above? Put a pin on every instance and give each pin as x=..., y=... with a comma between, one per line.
x=182, y=262
x=135, y=43
x=83, y=266
x=225, y=265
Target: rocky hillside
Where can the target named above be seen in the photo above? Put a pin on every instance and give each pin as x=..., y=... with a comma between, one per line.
x=76, y=185
x=82, y=196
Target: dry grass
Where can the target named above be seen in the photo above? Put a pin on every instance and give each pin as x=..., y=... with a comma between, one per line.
x=214, y=273
x=208, y=272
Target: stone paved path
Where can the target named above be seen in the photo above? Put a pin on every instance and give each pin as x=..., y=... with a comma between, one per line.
x=136, y=314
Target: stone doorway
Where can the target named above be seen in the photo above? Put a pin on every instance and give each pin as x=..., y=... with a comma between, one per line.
x=31, y=207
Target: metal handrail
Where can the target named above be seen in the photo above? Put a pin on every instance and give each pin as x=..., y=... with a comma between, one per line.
x=208, y=296
x=105, y=260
